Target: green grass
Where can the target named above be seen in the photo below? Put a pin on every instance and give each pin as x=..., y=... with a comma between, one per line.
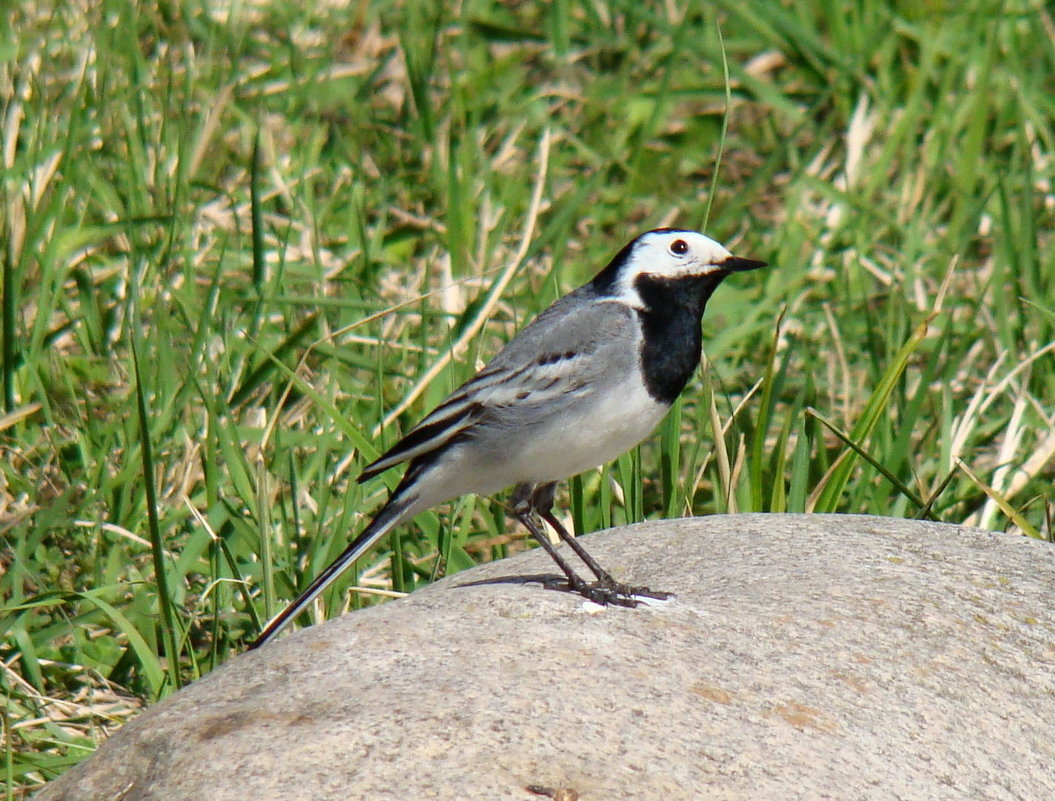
x=235, y=243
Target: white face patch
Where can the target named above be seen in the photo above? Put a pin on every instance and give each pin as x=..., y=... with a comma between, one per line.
x=669, y=254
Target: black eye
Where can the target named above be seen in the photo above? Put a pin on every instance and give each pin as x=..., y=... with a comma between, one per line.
x=679, y=247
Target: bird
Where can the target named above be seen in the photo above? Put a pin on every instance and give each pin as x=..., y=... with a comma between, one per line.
x=586, y=380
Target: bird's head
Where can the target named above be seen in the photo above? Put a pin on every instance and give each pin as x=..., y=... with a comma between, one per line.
x=669, y=255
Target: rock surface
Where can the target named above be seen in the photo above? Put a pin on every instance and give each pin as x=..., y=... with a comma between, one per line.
x=805, y=657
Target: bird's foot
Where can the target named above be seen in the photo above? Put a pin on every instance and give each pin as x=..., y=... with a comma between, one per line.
x=608, y=592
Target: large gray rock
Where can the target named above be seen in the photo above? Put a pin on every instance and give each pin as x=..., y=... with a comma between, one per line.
x=803, y=658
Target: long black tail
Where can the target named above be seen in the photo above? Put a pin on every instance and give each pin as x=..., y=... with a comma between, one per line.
x=404, y=503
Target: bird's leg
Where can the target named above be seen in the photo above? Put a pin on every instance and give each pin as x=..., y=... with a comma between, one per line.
x=525, y=513
x=542, y=502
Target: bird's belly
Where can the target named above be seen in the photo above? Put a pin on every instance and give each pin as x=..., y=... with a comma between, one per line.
x=573, y=442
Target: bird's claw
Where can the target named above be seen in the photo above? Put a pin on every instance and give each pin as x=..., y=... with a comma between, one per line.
x=614, y=593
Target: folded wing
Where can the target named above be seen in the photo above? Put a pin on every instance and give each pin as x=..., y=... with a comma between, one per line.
x=550, y=363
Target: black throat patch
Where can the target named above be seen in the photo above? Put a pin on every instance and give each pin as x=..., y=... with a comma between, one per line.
x=670, y=322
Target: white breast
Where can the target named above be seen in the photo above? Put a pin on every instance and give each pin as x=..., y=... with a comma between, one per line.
x=618, y=421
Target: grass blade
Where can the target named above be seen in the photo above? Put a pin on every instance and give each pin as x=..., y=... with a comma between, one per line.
x=1005, y=506
x=257, y=217
x=166, y=608
x=826, y=496
x=899, y=485
x=7, y=316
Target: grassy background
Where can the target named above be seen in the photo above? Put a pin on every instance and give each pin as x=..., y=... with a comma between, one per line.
x=237, y=235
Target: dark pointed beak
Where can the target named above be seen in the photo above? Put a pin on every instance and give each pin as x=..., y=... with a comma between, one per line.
x=734, y=264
